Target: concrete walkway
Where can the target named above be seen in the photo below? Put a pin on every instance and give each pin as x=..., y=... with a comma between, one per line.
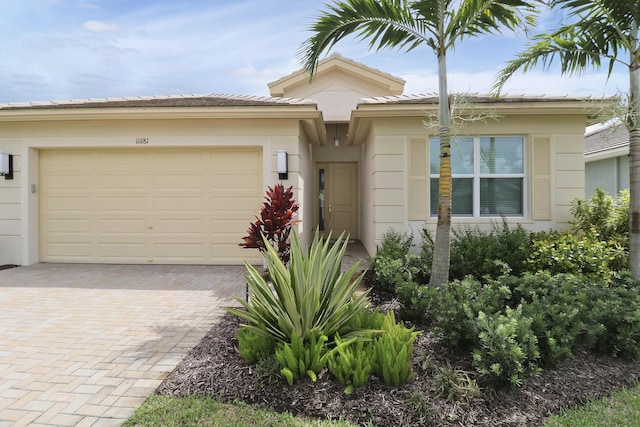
x=85, y=345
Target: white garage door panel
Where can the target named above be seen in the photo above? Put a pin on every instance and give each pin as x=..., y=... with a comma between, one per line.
x=130, y=182
x=188, y=205
x=74, y=252
x=70, y=182
x=122, y=251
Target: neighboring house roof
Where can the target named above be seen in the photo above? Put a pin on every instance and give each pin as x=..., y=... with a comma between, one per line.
x=610, y=141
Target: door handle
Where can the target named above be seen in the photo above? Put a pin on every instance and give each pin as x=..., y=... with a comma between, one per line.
x=329, y=209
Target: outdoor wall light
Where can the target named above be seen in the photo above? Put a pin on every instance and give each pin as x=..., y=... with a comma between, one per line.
x=336, y=140
x=6, y=165
x=283, y=170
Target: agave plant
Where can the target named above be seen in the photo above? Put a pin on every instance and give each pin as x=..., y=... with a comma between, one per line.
x=310, y=295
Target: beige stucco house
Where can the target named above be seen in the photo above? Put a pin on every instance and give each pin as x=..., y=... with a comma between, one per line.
x=177, y=179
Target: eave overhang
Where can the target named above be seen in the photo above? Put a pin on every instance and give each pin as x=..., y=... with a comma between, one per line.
x=419, y=107
x=304, y=111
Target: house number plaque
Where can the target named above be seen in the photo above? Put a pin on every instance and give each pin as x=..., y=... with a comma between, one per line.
x=142, y=141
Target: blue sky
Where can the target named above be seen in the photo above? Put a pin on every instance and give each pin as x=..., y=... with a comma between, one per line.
x=64, y=49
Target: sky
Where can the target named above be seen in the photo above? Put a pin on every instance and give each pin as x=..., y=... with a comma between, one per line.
x=79, y=49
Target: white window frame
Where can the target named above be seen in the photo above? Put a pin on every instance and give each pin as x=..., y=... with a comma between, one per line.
x=477, y=176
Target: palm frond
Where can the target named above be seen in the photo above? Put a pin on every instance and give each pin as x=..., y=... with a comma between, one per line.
x=385, y=23
x=476, y=17
x=618, y=10
x=578, y=47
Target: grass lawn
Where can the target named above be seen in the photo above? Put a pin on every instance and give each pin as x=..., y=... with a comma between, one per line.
x=205, y=412
x=622, y=409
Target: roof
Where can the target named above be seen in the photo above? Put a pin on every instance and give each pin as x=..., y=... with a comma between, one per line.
x=213, y=100
x=606, y=139
x=432, y=98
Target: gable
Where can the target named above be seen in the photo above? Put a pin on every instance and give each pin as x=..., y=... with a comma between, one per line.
x=338, y=86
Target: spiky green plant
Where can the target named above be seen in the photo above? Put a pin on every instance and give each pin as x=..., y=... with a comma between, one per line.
x=254, y=347
x=311, y=294
x=302, y=357
x=394, y=352
x=352, y=362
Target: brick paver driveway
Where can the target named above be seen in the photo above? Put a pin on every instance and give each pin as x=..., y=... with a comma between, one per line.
x=85, y=345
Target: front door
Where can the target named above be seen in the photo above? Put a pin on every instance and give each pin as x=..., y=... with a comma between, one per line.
x=337, y=199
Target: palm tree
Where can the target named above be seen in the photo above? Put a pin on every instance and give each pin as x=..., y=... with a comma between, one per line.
x=405, y=25
x=600, y=30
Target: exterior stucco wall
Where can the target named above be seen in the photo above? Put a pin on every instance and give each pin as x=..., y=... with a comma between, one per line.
x=389, y=163
x=305, y=227
x=569, y=179
x=19, y=242
x=367, y=212
x=11, y=205
x=384, y=198
x=336, y=94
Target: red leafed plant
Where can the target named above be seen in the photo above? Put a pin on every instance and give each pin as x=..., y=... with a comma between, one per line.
x=275, y=222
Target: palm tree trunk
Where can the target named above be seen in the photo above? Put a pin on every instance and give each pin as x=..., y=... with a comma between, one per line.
x=442, y=247
x=634, y=170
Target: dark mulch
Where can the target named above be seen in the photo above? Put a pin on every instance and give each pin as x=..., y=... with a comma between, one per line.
x=7, y=266
x=215, y=368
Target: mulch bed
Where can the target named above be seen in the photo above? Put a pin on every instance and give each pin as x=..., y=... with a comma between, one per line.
x=7, y=266
x=215, y=368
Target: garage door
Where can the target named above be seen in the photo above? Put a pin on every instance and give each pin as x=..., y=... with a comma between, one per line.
x=162, y=206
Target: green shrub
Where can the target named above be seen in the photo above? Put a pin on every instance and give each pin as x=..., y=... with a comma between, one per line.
x=515, y=325
x=418, y=303
x=395, y=244
x=586, y=254
x=557, y=311
x=311, y=295
x=608, y=216
x=392, y=264
x=352, y=362
x=394, y=351
x=484, y=254
x=459, y=304
x=508, y=350
x=617, y=309
x=253, y=346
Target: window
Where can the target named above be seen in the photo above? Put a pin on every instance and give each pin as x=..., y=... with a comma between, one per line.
x=488, y=176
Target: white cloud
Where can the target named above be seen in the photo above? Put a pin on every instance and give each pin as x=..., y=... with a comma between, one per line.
x=85, y=5
x=99, y=26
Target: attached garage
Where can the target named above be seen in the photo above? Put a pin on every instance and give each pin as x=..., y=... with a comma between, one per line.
x=148, y=205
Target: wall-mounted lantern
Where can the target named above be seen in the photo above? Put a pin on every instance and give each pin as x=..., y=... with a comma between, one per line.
x=6, y=165
x=283, y=167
